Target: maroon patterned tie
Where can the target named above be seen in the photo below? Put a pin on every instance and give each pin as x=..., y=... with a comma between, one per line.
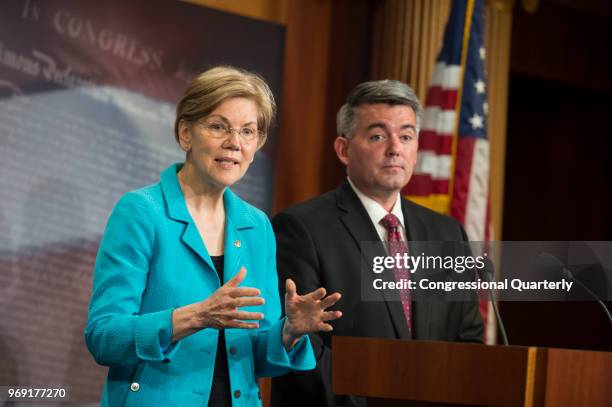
x=391, y=223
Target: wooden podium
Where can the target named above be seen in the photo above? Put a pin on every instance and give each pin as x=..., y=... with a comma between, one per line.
x=420, y=373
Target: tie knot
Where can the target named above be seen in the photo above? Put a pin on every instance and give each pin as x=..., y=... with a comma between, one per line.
x=390, y=222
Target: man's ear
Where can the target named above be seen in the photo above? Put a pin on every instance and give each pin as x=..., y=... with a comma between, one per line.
x=184, y=133
x=341, y=147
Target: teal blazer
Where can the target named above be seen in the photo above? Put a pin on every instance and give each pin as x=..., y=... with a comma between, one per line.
x=152, y=260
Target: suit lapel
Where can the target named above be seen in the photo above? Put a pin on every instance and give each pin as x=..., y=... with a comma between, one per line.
x=416, y=233
x=191, y=237
x=234, y=251
x=177, y=210
x=238, y=219
x=358, y=223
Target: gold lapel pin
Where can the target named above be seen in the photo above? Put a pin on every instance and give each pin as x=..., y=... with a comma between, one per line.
x=237, y=243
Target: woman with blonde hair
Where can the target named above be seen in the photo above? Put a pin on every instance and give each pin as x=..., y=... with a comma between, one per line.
x=185, y=306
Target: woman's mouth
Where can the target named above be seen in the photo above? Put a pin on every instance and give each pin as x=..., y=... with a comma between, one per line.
x=226, y=162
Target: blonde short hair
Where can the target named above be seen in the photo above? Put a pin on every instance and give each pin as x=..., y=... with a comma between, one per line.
x=213, y=86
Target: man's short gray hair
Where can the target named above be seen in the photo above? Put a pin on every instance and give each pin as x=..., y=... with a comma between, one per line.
x=387, y=91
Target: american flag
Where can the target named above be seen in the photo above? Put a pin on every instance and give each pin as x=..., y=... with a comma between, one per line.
x=452, y=171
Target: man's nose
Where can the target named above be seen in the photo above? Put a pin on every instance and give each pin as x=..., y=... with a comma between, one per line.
x=394, y=144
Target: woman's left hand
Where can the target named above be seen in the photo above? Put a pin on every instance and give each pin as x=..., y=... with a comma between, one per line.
x=307, y=313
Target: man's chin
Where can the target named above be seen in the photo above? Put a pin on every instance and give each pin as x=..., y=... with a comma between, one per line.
x=394, y=184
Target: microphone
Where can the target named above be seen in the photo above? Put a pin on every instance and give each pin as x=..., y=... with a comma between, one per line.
x=567, y=273
x=553, y=261
x=484, y=274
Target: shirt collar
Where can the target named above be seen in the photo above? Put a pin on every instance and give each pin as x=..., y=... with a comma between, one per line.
x=375, y=210
x=236, y=210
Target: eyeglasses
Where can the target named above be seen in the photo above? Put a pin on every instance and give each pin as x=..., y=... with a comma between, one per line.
x=221, y=130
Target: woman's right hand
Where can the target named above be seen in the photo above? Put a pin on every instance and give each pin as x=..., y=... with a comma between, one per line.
x=220, y=310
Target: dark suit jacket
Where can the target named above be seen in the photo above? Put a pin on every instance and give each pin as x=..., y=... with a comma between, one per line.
x=318, y=244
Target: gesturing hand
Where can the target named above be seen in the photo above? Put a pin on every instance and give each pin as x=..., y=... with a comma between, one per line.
x=307, y=313
x=220, y=310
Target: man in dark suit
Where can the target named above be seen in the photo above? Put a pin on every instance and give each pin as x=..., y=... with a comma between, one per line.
x=319, y=242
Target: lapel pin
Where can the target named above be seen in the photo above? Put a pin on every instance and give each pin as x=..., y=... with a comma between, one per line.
x=237, y=243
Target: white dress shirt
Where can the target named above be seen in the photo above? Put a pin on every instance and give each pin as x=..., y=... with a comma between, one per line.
x=377, y=212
